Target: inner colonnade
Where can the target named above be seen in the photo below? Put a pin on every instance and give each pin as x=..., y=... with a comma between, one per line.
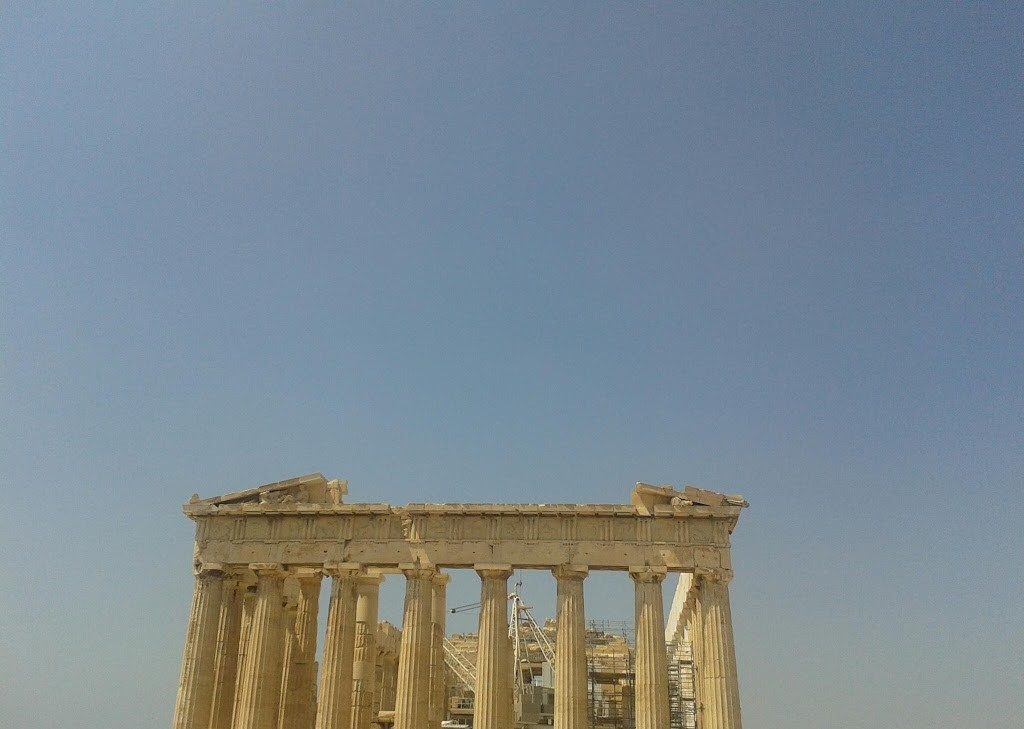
x=260, y=557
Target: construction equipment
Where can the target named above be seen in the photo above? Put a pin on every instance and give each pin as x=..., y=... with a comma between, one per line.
x=520, y=624
x=460, y=665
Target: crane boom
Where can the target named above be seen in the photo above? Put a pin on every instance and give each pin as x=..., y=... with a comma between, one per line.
x=460, y=665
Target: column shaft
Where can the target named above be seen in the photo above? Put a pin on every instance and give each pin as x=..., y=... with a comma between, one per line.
x=651, y=655
x=438, y=673
x=692, y=633
x=260, y=676
x=493, y=705
x=380, y=701
x=389, y=669
x=298, y=696
x=193, y=707
x=697, y=646
x=244, y=631
x=412, y=694
x=229, y=627
x=720, y=693
x=387, y=678
x=571, y=706
x=364, y=665
x=334, y=709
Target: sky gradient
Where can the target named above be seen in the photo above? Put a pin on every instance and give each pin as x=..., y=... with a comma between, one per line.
x=522, y=253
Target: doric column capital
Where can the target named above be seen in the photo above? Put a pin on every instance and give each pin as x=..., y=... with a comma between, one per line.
x=342, y=569
x=493, y=571
x=441, y=579
x=416, y=570
x=308, y=573
x=570, y=572
x=269, y=569
x=239, y=575
x=648, y=574
x=209, y=569
x=367, y=582
x=714, y=576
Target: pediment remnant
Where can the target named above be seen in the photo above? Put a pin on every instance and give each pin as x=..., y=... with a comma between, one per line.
x=646, y=497
x=310, y=489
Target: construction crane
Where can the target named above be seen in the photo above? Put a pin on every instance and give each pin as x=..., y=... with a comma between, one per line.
x=460, y=665
x=522, y=620
x=522, y=628
x=521, y=623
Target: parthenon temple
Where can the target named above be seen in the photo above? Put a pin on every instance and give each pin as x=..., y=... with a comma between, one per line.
x=251, y=656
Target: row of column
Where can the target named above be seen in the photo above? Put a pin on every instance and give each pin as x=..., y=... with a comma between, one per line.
x=493, y=702
x=708, y=617
x=241, y=670
x=250, y=650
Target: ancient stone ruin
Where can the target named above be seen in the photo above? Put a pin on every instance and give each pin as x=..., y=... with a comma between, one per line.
x=260, y=555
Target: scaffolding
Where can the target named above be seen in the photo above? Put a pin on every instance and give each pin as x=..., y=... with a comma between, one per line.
x=459, y=665
x=611, y=664
x=681, y=678
x=611, y=659
x=530, y=701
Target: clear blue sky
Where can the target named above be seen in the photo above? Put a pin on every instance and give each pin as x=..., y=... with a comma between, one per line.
x=454, y=252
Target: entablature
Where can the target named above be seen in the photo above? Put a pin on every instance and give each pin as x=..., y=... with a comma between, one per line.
x=662, y=528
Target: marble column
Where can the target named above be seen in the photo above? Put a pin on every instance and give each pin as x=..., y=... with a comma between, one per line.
x=387, y=674
x=571, y=701
x=299, y=675
x=719, y=685
x=248, y=605
x=651, y=655
x=334, y=708
x=260, y=675
x=225, y=672
x=438, y=694
x=695, y=628
x=380, y=695
x=193, y=707
x=493, y=705
x=364, y=662
x=412, y=693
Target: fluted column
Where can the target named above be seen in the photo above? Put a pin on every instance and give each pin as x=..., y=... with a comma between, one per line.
x=380, y=695
x=382, y=688
x=260, y=676
x=299, y=676
x=195, y=686
x=438, y=675
x=720, y=693
x=695, y=627
x=248, y=606
x=412, y=693
x=225, y=672
x=387, y=678
x=364, y=663
x=651, y=655
x=391, y=666
x=493, y=704
x=334, y=706
x=571, y=706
